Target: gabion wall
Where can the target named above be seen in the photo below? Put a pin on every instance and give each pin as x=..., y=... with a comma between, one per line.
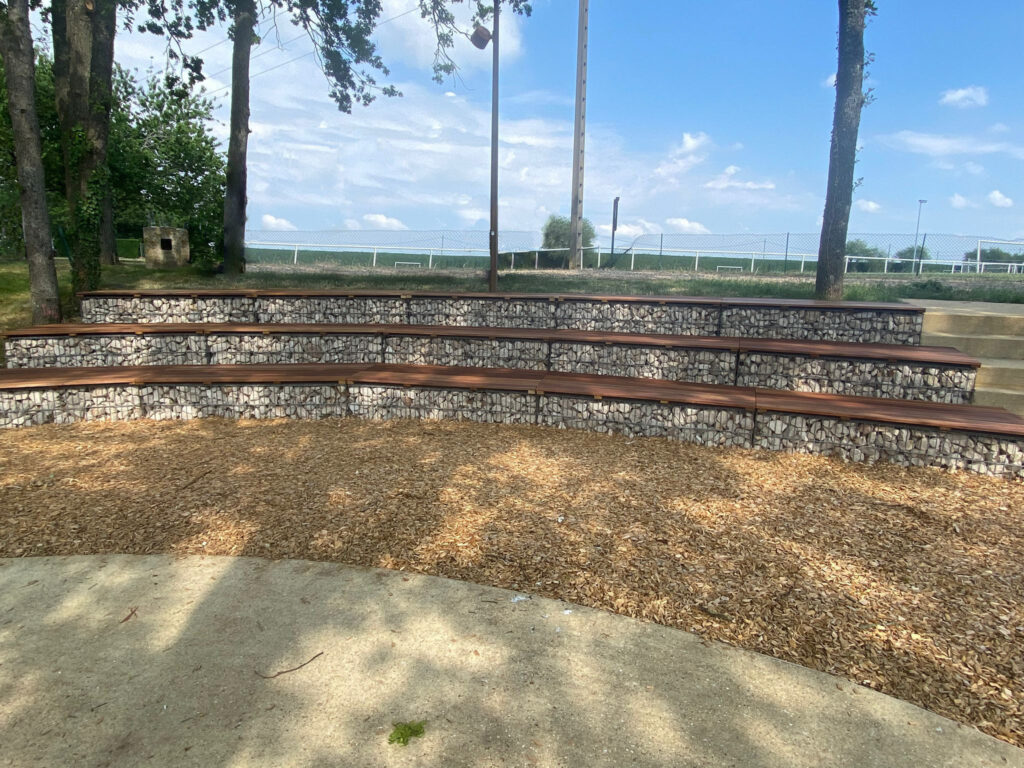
x=801, y=373
x=852, y=440
x=862, y=326
x=881, y=326
x=873, y=442
x=868, y=378
x=699, y=366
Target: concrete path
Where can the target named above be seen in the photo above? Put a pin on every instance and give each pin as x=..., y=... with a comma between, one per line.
x=131, y=661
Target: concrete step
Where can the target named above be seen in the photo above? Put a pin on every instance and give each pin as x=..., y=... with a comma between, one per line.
x=986, y=324
x=1001, y=374
x=1000, y=398
x=1001, y=346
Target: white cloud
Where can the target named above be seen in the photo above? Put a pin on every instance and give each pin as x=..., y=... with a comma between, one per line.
x=353, y=224
x=973, y=168
x=687, y=227
x=964, y=98
x=937, y=145
x=999, y=128
x=960, y=202
x=683, y=157
x=727, y=180
x=276, y=224
x=829, y=82
x=380, y=221
x=999, y=200
x=868, y=206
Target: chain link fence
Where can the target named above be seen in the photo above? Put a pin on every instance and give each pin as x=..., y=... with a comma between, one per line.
x=780, y=253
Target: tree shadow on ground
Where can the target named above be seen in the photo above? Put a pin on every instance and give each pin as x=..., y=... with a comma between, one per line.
x=414, y=649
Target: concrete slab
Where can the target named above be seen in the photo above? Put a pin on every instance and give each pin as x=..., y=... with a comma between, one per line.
x=970, y=307
x=127, y=661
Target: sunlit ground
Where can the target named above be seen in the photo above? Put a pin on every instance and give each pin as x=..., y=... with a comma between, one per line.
x=908, y=581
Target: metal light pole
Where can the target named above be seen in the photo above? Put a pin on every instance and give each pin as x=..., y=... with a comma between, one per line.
x=580, y=131
x=481, y=36
x=914, y=265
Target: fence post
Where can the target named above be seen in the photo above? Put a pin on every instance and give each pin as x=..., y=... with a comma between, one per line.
x=803, y=257
x=296, y=259
x=696, y=262
x=632, y=259
x=846, y=265
x=751, y=263
x=513, y=261
x=375, y=257
x=598, y=257
x=430, y=259
x=536, y=259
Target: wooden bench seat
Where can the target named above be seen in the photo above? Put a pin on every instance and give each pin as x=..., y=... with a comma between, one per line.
x=935, y=415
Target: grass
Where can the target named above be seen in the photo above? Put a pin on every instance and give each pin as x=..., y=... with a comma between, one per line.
x=15, y=308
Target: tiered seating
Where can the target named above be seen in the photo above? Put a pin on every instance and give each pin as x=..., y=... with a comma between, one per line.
x=938, y=374
x=284, y=354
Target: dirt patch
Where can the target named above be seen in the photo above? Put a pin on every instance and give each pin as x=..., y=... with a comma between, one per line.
x=908, y=581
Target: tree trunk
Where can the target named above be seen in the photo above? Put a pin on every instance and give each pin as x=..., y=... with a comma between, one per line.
x=101, y=100
x=843, y=154
x=83, y=51
x=108, y=238
x=19, y=65
x=235, y=195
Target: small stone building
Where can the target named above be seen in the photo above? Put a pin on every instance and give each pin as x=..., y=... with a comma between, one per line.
x=165, y=247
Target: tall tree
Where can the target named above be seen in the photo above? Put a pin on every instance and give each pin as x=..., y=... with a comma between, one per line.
x=19, y=69
x=242, y=39
x=83, y=49
x=850, y=99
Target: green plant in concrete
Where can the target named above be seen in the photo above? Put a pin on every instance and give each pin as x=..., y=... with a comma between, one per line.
x=405, y=731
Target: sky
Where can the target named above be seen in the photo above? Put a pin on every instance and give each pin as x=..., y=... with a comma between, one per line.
x=703, y=117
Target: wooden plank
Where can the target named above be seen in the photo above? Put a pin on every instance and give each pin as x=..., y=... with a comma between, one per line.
x=907, y=412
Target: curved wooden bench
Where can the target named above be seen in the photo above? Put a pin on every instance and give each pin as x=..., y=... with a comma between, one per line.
x=985, y=440
x=927, y=373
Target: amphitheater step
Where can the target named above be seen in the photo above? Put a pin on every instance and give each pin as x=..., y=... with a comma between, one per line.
x=762, y=318
x=987, y=440
x=991, y=346
x=1010, y=399
x=1001, y=373
x=872, y=370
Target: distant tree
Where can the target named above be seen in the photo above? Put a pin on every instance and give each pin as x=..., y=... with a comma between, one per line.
x=165, y=165
x=850, y=100
x=864, y=258
x=906, y=259
x=557, y=232
x=995, y=255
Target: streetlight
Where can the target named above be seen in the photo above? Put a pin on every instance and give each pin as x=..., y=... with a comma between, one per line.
x=481, y=36
x=915, y=264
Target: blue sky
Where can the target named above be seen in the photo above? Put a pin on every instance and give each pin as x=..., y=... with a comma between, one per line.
x=703, y=117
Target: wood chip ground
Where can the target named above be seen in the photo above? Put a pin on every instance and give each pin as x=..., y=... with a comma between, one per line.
x=907, y=581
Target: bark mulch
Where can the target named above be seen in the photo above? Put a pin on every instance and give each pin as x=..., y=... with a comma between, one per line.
x=907, y=581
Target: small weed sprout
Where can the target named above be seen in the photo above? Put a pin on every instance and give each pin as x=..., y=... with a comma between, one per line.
x=405, y=731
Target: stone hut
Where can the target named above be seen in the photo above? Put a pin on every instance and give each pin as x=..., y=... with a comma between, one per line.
x=165, y=247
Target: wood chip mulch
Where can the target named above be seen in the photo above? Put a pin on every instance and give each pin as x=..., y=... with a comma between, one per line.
x=907, y=581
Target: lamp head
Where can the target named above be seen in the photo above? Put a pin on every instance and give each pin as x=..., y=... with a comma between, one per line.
x=481, y=37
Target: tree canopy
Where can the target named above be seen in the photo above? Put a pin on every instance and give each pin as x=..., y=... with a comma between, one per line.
x=165, y=166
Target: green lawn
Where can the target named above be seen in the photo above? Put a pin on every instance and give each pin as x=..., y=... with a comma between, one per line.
x=14, y=299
